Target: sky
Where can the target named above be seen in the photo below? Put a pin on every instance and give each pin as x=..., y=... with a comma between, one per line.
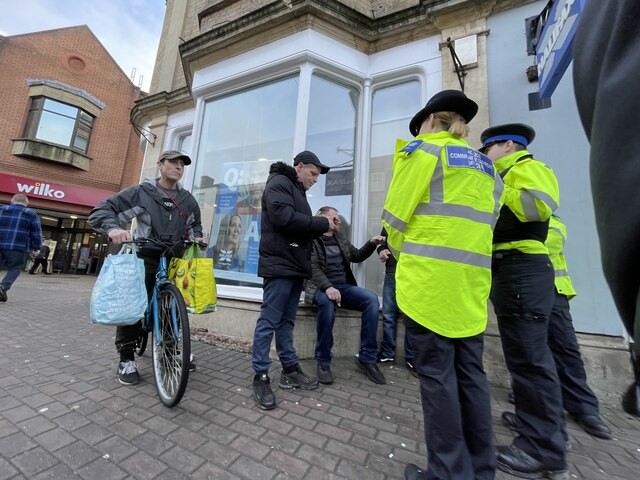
x=128, y=29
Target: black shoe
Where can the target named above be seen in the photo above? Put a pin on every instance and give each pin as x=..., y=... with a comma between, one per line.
x=297, y=379
x=128, y=372
x=630, y=399
x=3, y=294
x=520, y=464
x=385, y=359
x=511, y=397
x=192, y=366
x=372, y=371
x=413, y=472
x=511, y=421
x=325, y=375
x=594, y=425
x=412, y=369
x=262, y=392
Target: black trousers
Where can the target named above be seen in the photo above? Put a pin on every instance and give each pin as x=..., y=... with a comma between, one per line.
x=36, y=262
x=456, y=405
x=522, y=293
x=126, y=336
x=577, y=397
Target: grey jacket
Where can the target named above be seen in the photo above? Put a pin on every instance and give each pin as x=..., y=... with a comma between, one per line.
x=350, y=254
x=145, y=203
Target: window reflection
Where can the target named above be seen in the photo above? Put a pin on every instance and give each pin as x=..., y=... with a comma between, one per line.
x=392, y=109
x=331, y=135
x=242, y=135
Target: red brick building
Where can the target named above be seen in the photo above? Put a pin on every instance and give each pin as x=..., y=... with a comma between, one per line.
x=65, y=137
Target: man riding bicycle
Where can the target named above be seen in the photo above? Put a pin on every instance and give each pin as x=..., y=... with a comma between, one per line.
x=162, y=210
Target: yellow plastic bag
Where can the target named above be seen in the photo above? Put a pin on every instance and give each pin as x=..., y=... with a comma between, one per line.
x=193, y=275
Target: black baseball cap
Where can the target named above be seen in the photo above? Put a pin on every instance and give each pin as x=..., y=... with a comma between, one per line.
x=306, y=157
x=173, y=155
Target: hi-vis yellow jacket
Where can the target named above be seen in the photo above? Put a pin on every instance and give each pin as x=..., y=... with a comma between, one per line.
x=439, y=214
x=531, y=195
x=555, y=243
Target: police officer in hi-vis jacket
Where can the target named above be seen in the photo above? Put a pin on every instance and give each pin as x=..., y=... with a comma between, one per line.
x=522, y=293
x=439, y=214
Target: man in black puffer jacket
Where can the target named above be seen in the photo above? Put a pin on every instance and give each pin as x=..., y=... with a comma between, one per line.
x=288, y=229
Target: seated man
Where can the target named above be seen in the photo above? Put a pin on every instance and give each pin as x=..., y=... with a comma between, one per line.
x=332, y=284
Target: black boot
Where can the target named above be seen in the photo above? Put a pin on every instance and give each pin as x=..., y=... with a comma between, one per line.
x=631, y=398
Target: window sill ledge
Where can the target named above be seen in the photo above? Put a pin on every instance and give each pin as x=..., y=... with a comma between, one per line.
x=26, y=147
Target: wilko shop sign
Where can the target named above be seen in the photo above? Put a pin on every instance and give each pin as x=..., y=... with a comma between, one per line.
x=40, y=190
x=34, y=188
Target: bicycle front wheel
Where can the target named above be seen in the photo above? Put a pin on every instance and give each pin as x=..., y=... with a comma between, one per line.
x=171, y=347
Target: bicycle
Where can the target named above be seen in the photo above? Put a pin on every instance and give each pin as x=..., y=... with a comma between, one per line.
x=167, y=318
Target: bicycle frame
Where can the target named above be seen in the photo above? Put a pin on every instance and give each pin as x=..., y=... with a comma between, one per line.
x=161, y=279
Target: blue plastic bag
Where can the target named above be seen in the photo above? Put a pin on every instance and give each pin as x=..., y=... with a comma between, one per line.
x=119, y=296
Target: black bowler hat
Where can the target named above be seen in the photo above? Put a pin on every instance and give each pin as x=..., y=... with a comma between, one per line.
x=173, y=155
x=445, y=101
x=306, y=157
x=516, y=132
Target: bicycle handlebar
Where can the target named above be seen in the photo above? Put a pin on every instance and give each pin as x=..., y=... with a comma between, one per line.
x=167, y=244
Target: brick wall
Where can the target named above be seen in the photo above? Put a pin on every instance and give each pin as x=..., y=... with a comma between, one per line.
x=114, y=146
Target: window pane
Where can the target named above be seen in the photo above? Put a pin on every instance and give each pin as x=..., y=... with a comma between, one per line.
x=55, y=128
x=331, y=135
x=61, y=108
x=392, y=109
x=242, y=135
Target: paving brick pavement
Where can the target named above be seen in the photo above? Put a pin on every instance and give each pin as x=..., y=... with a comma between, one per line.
x=63, y=414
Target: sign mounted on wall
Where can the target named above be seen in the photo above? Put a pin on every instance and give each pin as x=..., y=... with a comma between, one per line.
x=555, y=45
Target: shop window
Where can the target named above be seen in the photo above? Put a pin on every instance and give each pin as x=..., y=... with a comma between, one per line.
x=242, y=135
x=59, y=123
x=331, y=135
x=391, y=110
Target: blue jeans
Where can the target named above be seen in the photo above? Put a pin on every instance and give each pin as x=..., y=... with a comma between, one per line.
x=14, y=260
x=353, y=298
x=280, y=297
x=390, y=315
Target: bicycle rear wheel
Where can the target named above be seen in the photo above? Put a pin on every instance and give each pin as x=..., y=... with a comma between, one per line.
x=171, y=354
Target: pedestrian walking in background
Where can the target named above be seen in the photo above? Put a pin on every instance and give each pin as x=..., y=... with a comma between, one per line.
x=287, y=230
x=522, y=294
x=440, y=211
x=163, y=210
x=41, y=259
x=20, y=235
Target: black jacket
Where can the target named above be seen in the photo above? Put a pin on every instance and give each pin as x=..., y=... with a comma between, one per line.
x=145, y=203
x=287, y=226
x=319, y=264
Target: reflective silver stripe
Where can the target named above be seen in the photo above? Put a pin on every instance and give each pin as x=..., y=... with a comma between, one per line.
x=452, y=210
x=561, y=273
x=447, y=253
x=559, y=232
x=436, y=185
x=544, y=197
x=498, y=187
x=394, y=221
x=529, y=207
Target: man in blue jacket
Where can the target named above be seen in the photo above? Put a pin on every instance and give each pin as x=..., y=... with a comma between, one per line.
x=20, y=232
x=287, y=230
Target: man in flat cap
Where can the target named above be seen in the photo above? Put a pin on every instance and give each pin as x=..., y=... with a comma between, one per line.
x=522, y=293
x=287, y=231
x=161, y=207
x=439, y=214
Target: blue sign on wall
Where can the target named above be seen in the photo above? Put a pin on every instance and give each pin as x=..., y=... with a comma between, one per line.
x=554, y=49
